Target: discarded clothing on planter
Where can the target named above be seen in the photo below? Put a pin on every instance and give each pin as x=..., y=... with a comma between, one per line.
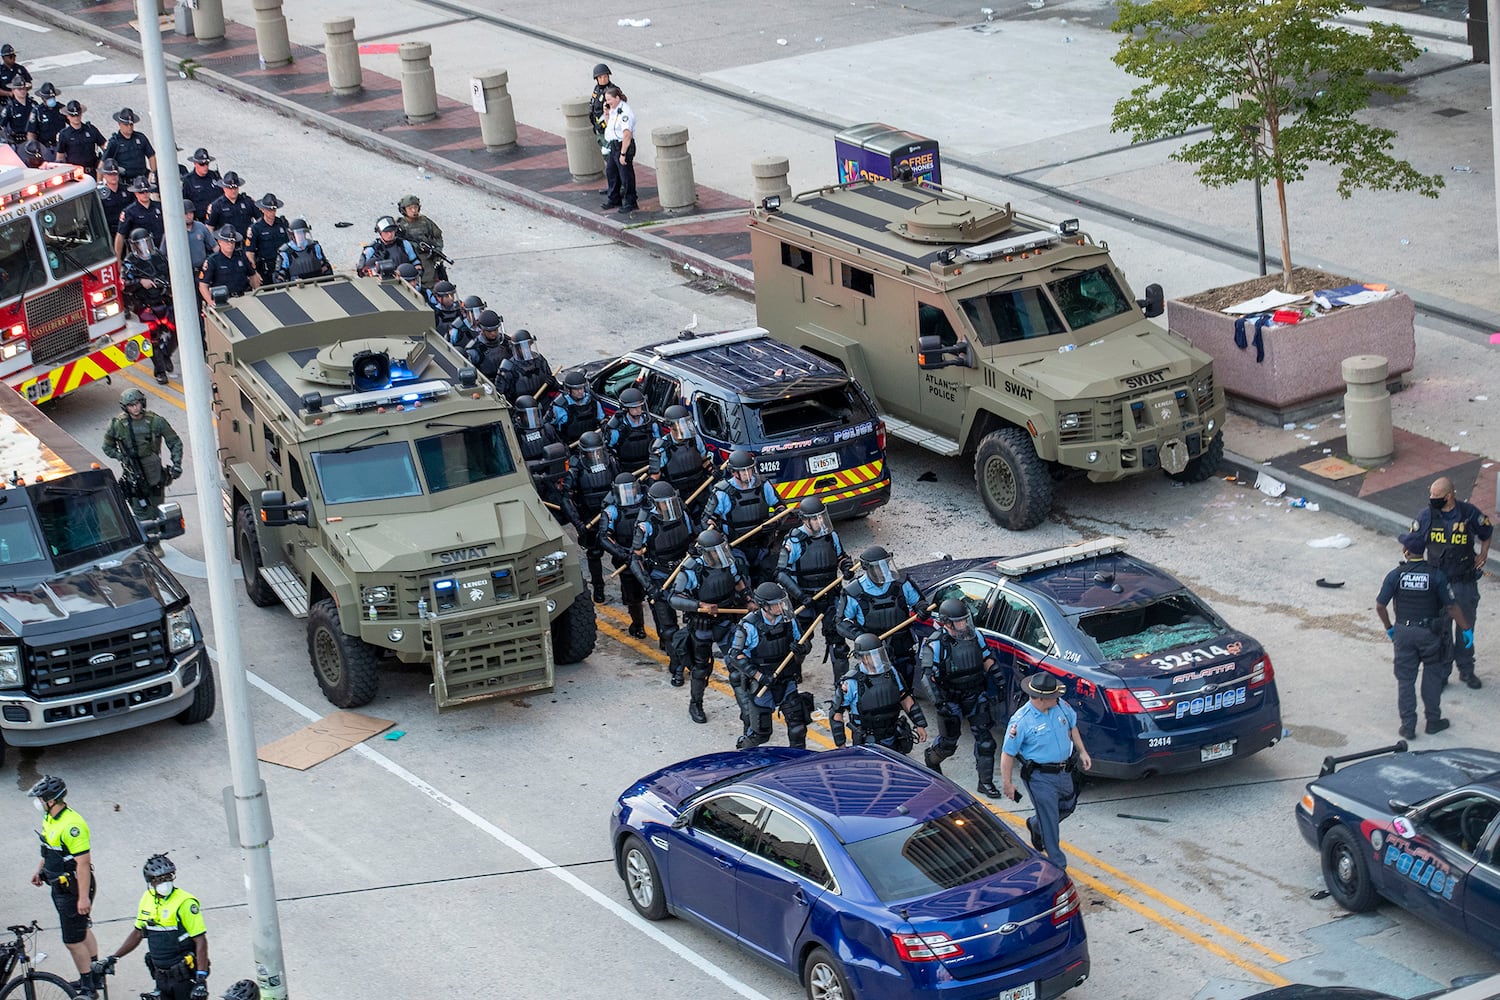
x=1240, y=340
x=1351, y=295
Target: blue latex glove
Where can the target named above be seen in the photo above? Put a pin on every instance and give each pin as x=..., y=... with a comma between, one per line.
x=1468, y=634
x=1390, y=633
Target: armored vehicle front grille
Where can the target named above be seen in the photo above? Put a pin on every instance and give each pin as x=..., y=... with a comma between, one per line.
x=494, y=654
x=99, y=662
x=1084, y=431
x=59, y=324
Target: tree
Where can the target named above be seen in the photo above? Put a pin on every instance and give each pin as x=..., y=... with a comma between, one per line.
x=1277, y=85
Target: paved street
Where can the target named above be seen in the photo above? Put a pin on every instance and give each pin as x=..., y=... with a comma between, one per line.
x=469, y=856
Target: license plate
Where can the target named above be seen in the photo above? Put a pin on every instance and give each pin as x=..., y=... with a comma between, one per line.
x=1026, y=991
x=1218, y=751
x=823, y=463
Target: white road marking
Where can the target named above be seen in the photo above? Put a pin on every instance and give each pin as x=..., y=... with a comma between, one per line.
x=539, y=860
x=25, y=25
x=110, y=79
x=183, y=564
x=66, y=59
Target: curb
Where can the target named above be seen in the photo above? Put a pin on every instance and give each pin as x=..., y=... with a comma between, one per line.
x=1361, y=512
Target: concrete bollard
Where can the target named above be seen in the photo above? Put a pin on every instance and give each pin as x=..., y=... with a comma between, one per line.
x=674, y=168
x=418, y=84
x=585, y=161
x=769, y=176
x=1367, y=409
x=497, y=123
x=341, y=52
x=208, y=21
x=183, y=20
x=270, y=34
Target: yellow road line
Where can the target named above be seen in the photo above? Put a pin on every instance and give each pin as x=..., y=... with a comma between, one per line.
x=1165, y=921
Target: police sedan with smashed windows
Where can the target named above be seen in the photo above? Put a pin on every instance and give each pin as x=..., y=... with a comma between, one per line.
x=861, y=873
x=1160, y=682
x=1421, y=829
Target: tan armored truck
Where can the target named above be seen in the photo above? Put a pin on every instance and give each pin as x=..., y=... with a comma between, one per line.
x=980, y=331
x=375, y=489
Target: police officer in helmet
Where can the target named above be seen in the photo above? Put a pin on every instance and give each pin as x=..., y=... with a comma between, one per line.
x=660, y=543
x=960, y=665
x=577, y=410
x=387, y=248
x=466, y=326
x=148, y=293
x=708, y=583
x=880, y=599
x=445, y=308
x=526, y=374
x=67, y=866
x=586, y=488
x=631, y=431
x=741, y=502
x=680, y=457
x=170, y=921
x=766, y=650
x=134, y=439
x=300, y=256
x=489, y=348
x=812, y=557
x=617, y=530
x=545, y=455
x=874, y=698
x=1424, y=602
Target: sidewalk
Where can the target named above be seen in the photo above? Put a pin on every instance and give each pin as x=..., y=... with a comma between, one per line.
x=713, y=239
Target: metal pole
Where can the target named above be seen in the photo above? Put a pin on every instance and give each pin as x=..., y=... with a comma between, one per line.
x=251, y=818
x=1493, y=26
x=1260, y=224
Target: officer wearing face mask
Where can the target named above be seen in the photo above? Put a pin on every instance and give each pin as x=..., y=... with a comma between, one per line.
x=1450, y=527
x=48, y=119
x=170, y=921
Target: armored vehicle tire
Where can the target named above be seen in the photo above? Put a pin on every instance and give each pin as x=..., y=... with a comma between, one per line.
x=260, y=592
x=347, y=667
x=1012, y=480
x=574, y=632
x=1205, y=465
x=202, y=707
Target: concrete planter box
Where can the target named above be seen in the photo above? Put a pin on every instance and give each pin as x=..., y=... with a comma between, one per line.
x=1301, y=373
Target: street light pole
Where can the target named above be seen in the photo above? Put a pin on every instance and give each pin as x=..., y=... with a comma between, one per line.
x=1492, y=26
x=250, y=816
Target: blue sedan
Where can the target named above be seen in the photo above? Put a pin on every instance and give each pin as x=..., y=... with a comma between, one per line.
x=857, y=871
x=1419, y=829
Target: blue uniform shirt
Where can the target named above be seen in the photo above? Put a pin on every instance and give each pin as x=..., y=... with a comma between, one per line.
x=848, y=697
x=723, y=503
x=752, y=635
x=793, y=547
x=856, y=614
x=560, y=412
x=1043, y=737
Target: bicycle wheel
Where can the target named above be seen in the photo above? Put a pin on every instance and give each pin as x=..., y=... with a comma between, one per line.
x=38, y=986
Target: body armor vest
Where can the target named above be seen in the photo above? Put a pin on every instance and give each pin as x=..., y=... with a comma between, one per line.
x=1454, y=545
x=715, y=586
x=775, y=642
x=582, y=417
x=883, y=612
x=683, y=467
x=592, y=486
x=1416, y=596
x=304, y=263
x=634, y=447
x=962, y=670
x=622, y=524
x=532, y=443
x=168, y=946
x=747, y=508
x=668, y=543
x=528, y=377
x=817, y=564
x=879, y=704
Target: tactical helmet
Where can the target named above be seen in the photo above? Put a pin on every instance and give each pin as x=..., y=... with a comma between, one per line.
x=230, y=180
x=600, y=69
x=956, y=613
x=49, y=789
x=664, y=501
x=631, y=397
x=528, y=414
x=525, y=344
x=296, y=229
x=771, y=597
x=878, y=565
x=713, y=548
x=591, y=447
x=407, y=271
x=742, y=466
x=385, y=224
x=245, y=989
x=679, y=423
x=627, y=490
x=472, y=306
x=140, y=241
x=870, y=654
x=814, y=516
x=443, y=288
x=131, y=395
x=158, y=867
x=575, y=380
x=408, y=200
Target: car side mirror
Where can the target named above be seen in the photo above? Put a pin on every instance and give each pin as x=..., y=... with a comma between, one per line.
x=932, y=354
x=682, y=820
x=1399, y=806
x=168, y=523
x=1155, y=302
x=275, y=512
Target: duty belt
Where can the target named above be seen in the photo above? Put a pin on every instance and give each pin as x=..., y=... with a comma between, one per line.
x=1047, y=768
x=1419, y=622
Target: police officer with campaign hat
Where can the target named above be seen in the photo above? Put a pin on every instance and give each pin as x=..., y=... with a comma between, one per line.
x=617, y=529
x=142, y=213
x=586, y=488
x=67, y=866
x=873, y=697
x=229, y=268
x=1420, y=633
x=170, y=921
x=200, y=183
x=79, y=142
x=577, y=410
x=1451, y=527
x=267, y=234
x=660, y=542
x=811, y=558
x=1043, y=736
x=708, y=583
x=12, y=70
x=526, y=374
x=959, y=664
x=759, y=644
x=233, y=207
x=48, y=118
x=630, y=431
x=741, y=502
x=879, y=599
x=132, y=150
x=113, y=194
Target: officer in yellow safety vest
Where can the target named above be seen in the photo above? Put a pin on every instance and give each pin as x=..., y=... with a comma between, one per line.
x=171, y=923
x=67, y=867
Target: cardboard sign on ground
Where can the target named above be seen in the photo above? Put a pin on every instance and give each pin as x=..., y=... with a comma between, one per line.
x=328, y=737
x=1334, y=468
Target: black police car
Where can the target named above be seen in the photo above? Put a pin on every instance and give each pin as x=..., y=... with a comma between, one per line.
x=1160, y=682
x=1420, y=829
x=811, y=427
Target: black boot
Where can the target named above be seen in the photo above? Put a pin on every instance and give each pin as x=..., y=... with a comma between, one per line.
x=675, y=670
x=987, y=787
x=637, y=628
x=599, y=597
x=935, y=763
x=695, y=712
x=695, y=699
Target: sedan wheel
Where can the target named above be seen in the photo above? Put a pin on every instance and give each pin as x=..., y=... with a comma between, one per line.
x=824, y=979
x=641, y=879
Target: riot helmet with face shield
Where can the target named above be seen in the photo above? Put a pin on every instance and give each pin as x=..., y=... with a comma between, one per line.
x=714, y=550
x=140, y=242
x=878, y=565
x=591, y=447
x=528, y=414
x=954, y=614
x=772, y=600
x=814, y=517
x=665, y=503
x=870, y=655
x=525, y=345
x=742, y=468
x=679, y=423
x=627, y=490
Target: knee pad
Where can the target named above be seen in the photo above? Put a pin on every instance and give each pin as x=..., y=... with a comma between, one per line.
x=985, y=746
x=942, y=748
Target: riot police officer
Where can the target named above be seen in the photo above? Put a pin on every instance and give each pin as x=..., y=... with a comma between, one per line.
x=577, y=410
x=489, y=348
x=142, y=213
x=1420, y=633
x=680, y=457
x=67, y=866
x=545, y=455
x=200, y=183
x=742, y=502
x=707, y=584
x=630, y=431
x=1451, y=527
x=616, y=532
x=134, y=439
x=959, y=665
x=266, y=236
x=660, y=543
x=425, y=235
x=228, y=268
x=812, y=558
x=466, y=326
x=300, y=256
x=526, y=374
x=879, y=599
x=445, y=307
x=170, y=920
x=232, y=207
x=387, y=247
x=587, y=485
x=766, y=650
x=873, y=696
x=148, y=293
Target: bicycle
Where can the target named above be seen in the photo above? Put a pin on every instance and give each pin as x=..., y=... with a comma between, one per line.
x=103, y=969
x=31, y=984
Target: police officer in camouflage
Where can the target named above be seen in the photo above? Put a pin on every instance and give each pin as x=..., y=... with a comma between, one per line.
x=707, y=584
x=426, y=236
x=812, y=557
x=630, y=431
x=880, y=598
x=1423, y=602
x=959, y=664
x=660, y=543
x=586, y=488
x=134, y=439
x=741, y=502
x=526, y=374
x=616, y=532
x=1451, y=527
x=680, y=457
x=765, y=655
x=873, y=697
x=576, y=411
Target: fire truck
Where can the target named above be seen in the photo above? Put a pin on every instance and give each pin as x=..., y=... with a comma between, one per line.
x=62, y=318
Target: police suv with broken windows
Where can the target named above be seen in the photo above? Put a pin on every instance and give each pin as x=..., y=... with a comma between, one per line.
x=1161, y=683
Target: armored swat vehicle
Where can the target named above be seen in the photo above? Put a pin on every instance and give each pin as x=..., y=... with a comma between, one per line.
x=984, y=332
x=374, y=488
